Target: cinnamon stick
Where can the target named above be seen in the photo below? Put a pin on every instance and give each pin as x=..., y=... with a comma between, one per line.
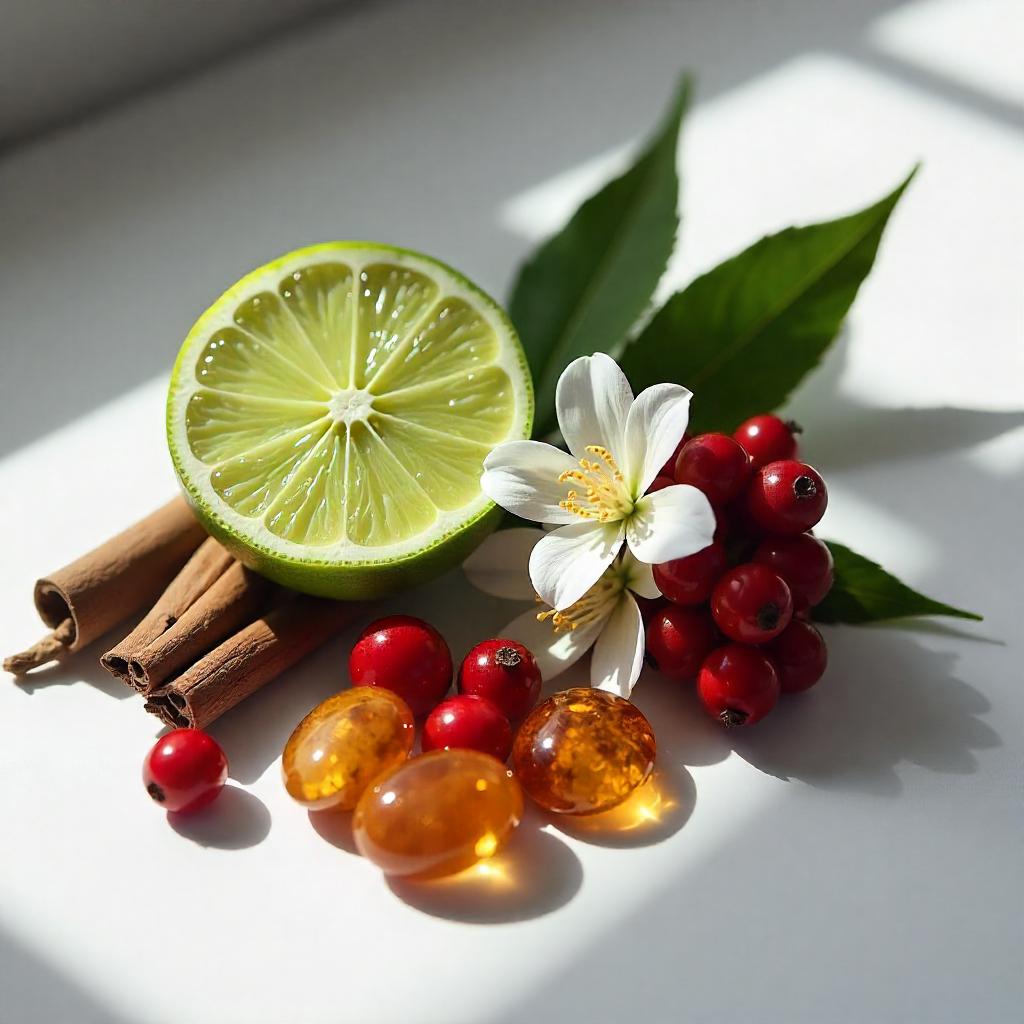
x=102, y=588
x=197, y=575
x=233, y=601
x=249, y=660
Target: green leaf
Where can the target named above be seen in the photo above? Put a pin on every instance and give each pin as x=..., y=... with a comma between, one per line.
x=586, y=287
x=864, y=592
x=742, y=336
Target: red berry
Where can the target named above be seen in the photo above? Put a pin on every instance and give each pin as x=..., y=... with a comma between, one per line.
x=786, y=498
x=714, y=464
x=669, y=468
x=690, y=580
x=405, y=655
x=504, y=672
x=679, y=639
x=660, y=483
x=751, y=604
x=738, y=685
x=799, y=655
x=649, y=605
x=767, y=438
x=468, y=722
x=804, y=562
x=185, y=771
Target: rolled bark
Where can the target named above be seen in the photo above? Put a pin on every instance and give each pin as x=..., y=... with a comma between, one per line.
x=249, y=660
x=102, y=588
x=234, y=601
x=208, y=563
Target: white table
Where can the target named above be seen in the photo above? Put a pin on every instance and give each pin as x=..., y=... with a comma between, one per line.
x=857, y=856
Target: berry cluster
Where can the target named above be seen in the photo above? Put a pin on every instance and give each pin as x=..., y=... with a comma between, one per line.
x=498, y=682
x=735, y=616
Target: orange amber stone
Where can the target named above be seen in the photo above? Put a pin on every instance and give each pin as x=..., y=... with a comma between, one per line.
x=438, y=813
x=343, y=744
x=583, y=751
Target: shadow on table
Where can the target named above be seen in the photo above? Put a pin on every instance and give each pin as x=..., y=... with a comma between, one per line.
x=534, y=874
x=885, y=700
x=35, y=990
x=81, y=667
x=656, y=811
x=237, y=820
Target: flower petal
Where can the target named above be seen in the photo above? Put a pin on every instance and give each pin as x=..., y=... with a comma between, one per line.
x=522, y=476
x=565, y=564
x=655, y=425
x=639, y=576
x=555, y=652
x=592, y=401
x=501, y=565
x=619, y=652
x=670, y=523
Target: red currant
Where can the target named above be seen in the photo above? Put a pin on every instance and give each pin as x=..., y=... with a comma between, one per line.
x=786, y=498
x=799, y=655
x=679, y=639
x=738, y=685
x=751, y=604
x=690, y=580
x=714, y=464
x=468, y=722
x=185, y=771
x=405, y=655
x=504, y=672
x=804, y=562
x=767, y=438
x=659, y=483
x=669, y=468
x=649, y=605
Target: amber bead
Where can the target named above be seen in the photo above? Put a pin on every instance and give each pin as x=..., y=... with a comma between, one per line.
x=438, y=813
x=583, y=751
x=343, y=744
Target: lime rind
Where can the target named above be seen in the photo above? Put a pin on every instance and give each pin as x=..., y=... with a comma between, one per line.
x=262, y=466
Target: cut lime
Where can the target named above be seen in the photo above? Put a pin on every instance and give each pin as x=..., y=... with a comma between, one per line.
x=328, y=417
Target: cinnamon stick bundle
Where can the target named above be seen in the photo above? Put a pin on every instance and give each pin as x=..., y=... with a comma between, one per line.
x=200, y=572
x=249, y=660
x=104, y=587
x=233, y=601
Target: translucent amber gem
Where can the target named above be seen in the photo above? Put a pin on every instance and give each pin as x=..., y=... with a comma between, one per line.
x=345, y=743
x=438, y=813
x=583, y=751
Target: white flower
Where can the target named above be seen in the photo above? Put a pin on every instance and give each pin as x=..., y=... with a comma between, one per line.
x=596, y=495
x=606, y=617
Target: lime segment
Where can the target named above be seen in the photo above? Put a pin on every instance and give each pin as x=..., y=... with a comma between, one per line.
x=329, y=416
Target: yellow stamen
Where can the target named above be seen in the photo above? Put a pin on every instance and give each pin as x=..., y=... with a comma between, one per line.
x=593, y=605
x=604, y=498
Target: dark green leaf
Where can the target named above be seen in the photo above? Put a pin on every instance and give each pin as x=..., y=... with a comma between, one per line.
x=865, y=592
x=742, y=336
x=586, y=287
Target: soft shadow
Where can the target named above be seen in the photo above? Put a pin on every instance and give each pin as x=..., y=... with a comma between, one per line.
x=883, y=435
x=81, y=667
x=236, y=820
x=533, y=875
x=885, y=700
x=654, y=812
x=686, y=734
x=335, y=827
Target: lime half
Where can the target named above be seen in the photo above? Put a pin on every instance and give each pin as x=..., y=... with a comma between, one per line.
x=328, y=417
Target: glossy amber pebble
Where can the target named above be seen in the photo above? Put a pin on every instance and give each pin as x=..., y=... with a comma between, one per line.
x=343, y=744
x=438, y=813
x=583, y=751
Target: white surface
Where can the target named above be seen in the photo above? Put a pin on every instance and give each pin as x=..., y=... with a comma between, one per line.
x=855, y=858
x=60, y=59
